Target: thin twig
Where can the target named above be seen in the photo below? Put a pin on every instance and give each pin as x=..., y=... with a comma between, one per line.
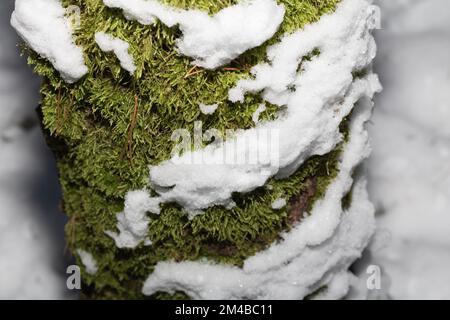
x=190, y=72
x=231, y=69
x=133, y=122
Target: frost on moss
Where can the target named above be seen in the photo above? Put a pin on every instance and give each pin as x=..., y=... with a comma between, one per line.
x=110, y=126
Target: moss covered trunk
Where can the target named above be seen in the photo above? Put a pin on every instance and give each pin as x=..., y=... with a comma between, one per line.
x=110, y=126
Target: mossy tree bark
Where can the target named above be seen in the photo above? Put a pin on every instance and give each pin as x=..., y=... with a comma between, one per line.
x=106, y=129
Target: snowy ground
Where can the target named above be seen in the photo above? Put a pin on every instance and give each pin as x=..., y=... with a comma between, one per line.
x=409, y=170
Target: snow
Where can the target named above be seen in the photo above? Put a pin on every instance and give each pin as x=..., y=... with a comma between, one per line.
x=208, y=108
x=279, y=204
x=108, y=43
x=88, y=261
x=133, y=221
x=32, y=260
x=212, y=41
x=257, y=113
x=43, y=26
x=317, y=252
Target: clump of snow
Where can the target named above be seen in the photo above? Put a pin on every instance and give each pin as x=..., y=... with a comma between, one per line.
x=211, y=40
x=208, y=108
x=257, y=113
x=88, y=261
x=279, y=204
x=108, y=43
x=316, y=253
x=133, y=221
x=43, y=26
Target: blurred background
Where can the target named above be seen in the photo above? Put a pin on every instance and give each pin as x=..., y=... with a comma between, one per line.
x=409, y=171
x=32, y=258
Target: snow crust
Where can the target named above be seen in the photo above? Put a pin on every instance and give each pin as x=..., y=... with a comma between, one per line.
x=108, y=43
x=216, y=40
x=43, y=26
x=88, y=261
x=317, y=252
x=309, y=127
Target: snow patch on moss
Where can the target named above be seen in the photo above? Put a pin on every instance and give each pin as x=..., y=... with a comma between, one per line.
x=208, y=108
x=279, y=204
x=133, y=221
x=43, y=26
x=108, y=43
x=88, y=261
x=211, y=40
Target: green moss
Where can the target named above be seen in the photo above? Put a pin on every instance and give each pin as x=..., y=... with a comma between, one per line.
x=104, y=147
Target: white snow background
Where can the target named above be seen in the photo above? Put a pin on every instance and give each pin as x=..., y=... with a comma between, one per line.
x=409, y=169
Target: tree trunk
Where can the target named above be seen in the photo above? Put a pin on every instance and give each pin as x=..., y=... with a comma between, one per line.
x=135, y=236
